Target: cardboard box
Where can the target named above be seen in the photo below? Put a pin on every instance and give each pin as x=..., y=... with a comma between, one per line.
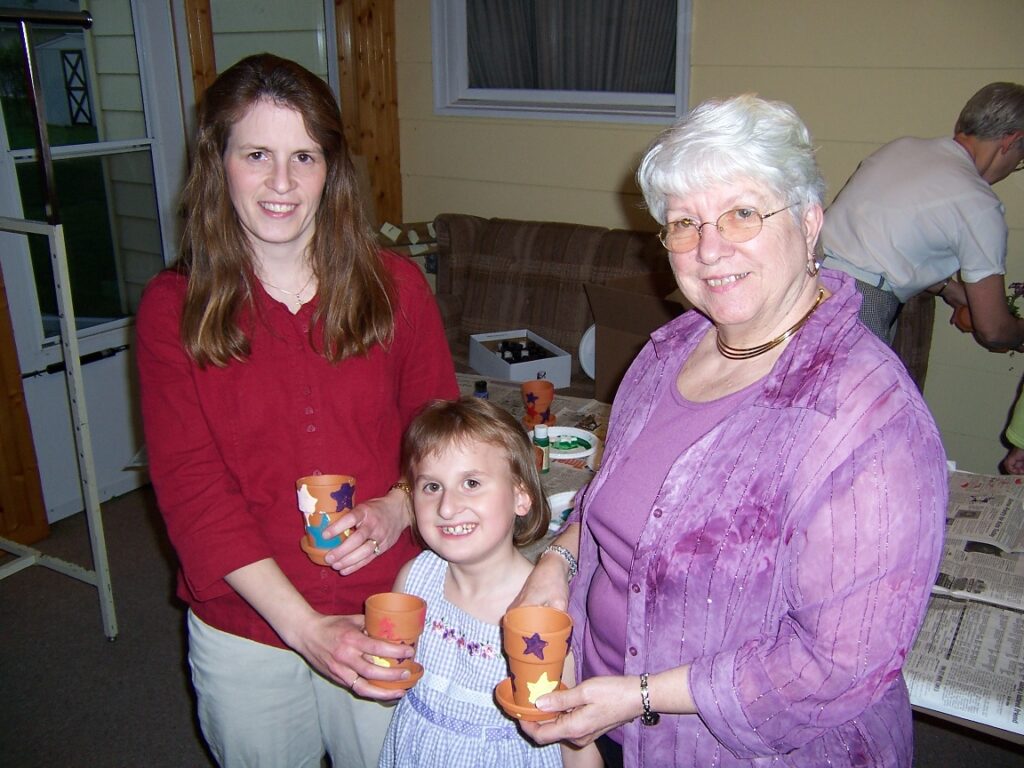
x=625, y=312
x=483, y=359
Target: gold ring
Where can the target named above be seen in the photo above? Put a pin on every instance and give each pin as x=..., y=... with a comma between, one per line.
x=376, y=546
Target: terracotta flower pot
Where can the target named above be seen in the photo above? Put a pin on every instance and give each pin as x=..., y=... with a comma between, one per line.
x=322, y=500
x=538, y=394
x=398, y=618
x=962, y=319
x=535, y=639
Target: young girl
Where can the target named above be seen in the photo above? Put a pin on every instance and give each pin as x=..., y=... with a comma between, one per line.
x=477, y=498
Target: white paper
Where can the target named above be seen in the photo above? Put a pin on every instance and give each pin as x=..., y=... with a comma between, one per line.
x=968, y=662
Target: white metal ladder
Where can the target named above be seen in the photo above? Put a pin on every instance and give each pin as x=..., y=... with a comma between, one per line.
x=53, y=230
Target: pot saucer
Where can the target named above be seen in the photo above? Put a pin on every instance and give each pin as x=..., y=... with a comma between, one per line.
x=416, y=671
x=503, y=693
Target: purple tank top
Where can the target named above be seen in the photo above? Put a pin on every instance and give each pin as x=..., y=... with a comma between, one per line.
x=618, y=512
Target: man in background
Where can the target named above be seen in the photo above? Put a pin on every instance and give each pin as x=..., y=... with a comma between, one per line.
x=918, y=213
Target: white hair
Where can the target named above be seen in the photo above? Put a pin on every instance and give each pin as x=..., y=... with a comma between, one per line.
x=725, y=141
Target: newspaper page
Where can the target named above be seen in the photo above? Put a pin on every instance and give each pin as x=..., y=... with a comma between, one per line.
x=975, y=571
x=988, y=509
x=968, y=662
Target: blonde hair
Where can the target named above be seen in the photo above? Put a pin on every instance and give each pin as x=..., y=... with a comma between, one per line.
x=443, y=423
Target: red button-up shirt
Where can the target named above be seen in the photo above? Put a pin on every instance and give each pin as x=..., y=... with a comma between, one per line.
x=226, y=444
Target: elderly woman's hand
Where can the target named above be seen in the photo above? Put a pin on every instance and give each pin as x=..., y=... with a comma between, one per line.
x=376, y=525
x=588, y=711
x=600, y=704
x=548, y=582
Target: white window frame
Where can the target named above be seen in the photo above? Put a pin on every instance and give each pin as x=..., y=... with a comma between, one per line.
x=453, y=96
x=165, y=142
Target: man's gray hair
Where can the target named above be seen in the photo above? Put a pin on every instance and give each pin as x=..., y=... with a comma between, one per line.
x=993, y=112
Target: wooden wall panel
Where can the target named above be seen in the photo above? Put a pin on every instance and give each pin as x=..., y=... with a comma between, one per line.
x=200, y=44
x=22, y=511
x=369, y=96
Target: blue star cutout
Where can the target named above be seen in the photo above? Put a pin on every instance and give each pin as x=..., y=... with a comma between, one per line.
x=535, y=645
x=531, y=398
x=344, y=496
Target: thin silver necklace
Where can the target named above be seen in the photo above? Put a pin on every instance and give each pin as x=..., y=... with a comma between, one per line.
x=299, y=301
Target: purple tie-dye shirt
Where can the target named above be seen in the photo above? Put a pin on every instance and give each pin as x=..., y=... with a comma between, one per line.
x=788, y=556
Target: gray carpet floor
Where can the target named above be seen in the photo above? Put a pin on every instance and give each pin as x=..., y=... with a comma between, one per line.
x=71, y=698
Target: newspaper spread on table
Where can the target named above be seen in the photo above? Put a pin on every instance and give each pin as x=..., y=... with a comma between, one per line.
x=983, y=557
x=968, y=660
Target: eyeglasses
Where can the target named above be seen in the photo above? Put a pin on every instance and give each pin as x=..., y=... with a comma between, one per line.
x=736, y=226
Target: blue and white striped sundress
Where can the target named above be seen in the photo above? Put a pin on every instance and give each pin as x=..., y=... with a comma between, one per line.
x=449, y=718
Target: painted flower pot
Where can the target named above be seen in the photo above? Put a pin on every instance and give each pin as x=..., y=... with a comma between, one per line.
x=535, y=639
x=962, y=319
x=398, y=618
x=538, y=394
x=322, y=500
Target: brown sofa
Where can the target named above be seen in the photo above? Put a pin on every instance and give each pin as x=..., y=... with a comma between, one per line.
x=501, y=274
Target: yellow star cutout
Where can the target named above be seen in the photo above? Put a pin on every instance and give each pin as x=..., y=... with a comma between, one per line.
x=542, y=686
x=380, y=662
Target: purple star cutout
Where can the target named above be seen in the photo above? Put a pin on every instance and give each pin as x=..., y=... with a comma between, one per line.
x=535, y=645
x=531, y=398
x=344, y=496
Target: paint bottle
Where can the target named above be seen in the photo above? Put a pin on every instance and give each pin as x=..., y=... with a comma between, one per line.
x=542, y=447
x=480, y=390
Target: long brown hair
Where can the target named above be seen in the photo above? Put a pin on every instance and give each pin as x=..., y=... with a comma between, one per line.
x=355, y=309
x=446, y=422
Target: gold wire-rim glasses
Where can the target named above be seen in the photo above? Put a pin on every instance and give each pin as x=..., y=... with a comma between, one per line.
x=738, y=231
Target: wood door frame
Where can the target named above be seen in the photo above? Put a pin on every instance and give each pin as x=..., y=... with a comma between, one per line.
x=365, y=33
x=22, y=509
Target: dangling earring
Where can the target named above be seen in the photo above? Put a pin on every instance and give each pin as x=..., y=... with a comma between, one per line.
x=813, y=267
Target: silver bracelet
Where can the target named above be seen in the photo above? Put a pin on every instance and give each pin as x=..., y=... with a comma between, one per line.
x=649, y=716
x=566, y=555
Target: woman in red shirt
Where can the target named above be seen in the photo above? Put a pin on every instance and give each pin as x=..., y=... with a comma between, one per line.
x=282, y=344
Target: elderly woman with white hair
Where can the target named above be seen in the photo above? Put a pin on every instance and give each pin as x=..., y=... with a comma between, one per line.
x=751, y=564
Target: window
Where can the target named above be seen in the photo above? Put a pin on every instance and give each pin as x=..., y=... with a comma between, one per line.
x=622, y=60
x=117, y=164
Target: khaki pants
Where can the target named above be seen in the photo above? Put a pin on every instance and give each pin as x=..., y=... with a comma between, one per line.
x=264, y=706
